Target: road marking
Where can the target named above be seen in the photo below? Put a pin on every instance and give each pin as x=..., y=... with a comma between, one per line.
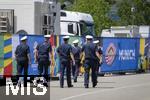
x=94, y=92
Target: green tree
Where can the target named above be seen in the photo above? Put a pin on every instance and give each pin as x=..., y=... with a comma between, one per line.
x=98, y=9
x=137, y=16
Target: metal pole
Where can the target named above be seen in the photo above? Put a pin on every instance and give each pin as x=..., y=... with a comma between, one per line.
x=132, y=10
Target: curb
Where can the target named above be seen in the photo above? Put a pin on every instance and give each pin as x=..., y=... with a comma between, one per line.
x=54, y=78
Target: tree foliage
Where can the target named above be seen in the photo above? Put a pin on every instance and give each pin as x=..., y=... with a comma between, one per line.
x=100, y=10
x=139, y=15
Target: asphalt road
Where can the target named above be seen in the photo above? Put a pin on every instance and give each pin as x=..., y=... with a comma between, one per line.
x=127, y=87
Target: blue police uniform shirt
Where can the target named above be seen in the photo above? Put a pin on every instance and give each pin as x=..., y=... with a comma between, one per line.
x=64, y=52
x=89, y=49
x=22, y=51
x=76, y=50
x=43, y=50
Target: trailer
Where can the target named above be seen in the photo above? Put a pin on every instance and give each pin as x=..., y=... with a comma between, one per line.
x=127, y=31
x=31, y=16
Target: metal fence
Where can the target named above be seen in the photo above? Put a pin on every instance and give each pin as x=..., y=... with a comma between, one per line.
x=119, y=54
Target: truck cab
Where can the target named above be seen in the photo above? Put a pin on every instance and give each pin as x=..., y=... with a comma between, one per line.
x=76, y=23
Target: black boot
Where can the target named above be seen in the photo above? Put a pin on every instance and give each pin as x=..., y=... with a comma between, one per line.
x=69, y=86
x=86, y=86
x=61, y=86
x=94, y=85
x=75, y=80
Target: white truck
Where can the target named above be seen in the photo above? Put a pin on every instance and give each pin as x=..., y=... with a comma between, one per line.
x=76, y=23
x=42, y=17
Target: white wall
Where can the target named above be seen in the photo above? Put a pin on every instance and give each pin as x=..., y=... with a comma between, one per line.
x=23, y=12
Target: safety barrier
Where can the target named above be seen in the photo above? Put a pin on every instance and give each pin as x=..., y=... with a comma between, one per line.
x=119, y=54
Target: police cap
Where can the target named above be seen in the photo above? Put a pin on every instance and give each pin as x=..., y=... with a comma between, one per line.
x=96, y=41
x=89, y=37
x=23, y=38
x=47, y=36
x=75, y=41
x=66, y=37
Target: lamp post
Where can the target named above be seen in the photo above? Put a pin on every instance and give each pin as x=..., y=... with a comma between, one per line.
x=132, y=11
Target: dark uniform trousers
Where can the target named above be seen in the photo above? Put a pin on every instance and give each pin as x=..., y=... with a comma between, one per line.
x=65, y=65
x=98, y=66
x=90, y=64
x=75, y=69
x=23, y=66
x=43, y=65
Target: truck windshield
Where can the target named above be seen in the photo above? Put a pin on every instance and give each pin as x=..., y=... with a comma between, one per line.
x=87, y=29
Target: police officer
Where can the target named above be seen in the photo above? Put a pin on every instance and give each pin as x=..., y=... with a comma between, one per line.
x=22, y=55
x=43, y=57
x=99, y=49
x=65, y=54
x=76, y=50
x=90, y=53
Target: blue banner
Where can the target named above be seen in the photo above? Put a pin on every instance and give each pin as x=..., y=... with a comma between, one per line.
x=33, y=41
x=120, y=54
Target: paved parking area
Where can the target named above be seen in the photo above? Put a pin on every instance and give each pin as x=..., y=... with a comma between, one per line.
x=127, y=87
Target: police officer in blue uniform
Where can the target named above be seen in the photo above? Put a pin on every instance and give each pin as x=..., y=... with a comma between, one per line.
x=90, y=58
x=22, y=55
x=76, y=50
x=99, y=59
x=43, y=57
x=65, y=55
